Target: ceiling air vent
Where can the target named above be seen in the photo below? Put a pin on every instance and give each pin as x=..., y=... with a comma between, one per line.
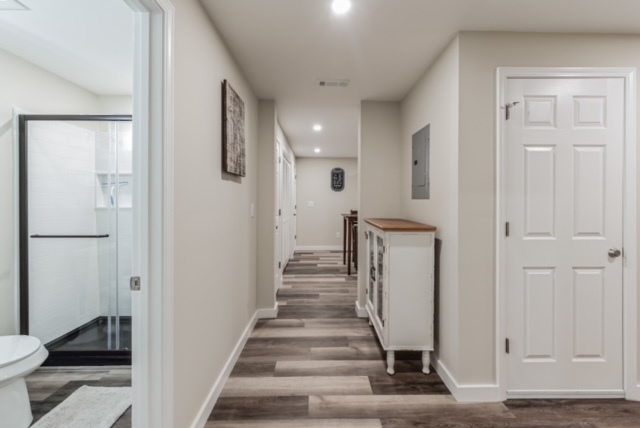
x=333, y=83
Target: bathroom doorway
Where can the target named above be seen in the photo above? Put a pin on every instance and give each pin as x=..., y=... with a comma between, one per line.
x=76, y=236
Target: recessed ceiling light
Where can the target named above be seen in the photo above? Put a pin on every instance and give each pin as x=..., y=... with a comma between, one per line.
x=317, y=150
x=317, y=127
x=341, y=6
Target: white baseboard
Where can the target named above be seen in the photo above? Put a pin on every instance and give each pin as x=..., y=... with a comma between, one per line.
x=634, y=394
x=466, y=393
x=203, y=415
x=590, y=395
x=319, y=248
x=268, y=313
x=360, y=311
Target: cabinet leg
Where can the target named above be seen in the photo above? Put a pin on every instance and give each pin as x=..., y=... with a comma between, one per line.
x=391, y=360
x=425, y=362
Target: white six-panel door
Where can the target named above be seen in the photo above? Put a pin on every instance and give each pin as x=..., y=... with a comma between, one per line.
x=564, y=203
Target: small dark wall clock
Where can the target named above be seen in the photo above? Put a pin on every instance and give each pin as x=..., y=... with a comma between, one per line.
x=337, y=179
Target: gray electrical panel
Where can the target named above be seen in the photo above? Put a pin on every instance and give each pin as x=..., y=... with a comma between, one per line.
x=420, y=164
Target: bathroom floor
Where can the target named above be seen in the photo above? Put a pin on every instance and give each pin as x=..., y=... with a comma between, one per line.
x=50, y=386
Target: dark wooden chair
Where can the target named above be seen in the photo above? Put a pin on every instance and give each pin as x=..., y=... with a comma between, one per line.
x=354, y=239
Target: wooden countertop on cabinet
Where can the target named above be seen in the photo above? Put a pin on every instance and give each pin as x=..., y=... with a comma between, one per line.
x=399, y=225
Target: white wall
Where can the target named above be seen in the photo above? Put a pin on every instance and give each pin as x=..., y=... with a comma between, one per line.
x=434, y=101
x=33, y=90
x=480, y=55
x=114, y=104
x=379, y=160
x=318, y=225
x=266, y=209
x=215, y=236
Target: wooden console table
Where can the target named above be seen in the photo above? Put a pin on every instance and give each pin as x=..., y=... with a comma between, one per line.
x=348, y=221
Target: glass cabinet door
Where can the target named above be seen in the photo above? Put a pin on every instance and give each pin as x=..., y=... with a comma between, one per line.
x=379, y=285
x=372, y=266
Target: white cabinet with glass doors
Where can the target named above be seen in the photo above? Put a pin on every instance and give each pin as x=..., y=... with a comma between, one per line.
x=400, y=265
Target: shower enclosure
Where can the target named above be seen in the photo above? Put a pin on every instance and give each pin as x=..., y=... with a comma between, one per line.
x=76, y=236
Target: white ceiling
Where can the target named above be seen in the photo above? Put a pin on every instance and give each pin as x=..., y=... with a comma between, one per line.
x=88, y=42
x=382, y=46
x=284, y=46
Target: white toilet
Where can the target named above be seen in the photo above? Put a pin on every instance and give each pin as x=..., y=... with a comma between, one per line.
x=19, y=356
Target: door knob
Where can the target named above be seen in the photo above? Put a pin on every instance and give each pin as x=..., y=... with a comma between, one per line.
x=614, y=252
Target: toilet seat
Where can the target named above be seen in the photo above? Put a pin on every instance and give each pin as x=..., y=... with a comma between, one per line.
x=17, y=348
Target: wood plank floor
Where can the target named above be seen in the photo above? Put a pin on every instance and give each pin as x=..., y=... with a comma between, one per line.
x=318, y=366
x=50, y=386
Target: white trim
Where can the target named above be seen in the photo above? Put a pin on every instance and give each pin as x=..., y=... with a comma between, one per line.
x=203, y=415
x=501, y=266
x=360, y=311
x=152, y=373
x=524, y=394
x=630, y=309
x=268, y=313
x=630, y=245
x=166, y=151
x=466, y=393
x=319, y=248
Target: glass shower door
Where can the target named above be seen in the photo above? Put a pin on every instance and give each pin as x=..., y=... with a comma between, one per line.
x=114, y=214
x=75, y=235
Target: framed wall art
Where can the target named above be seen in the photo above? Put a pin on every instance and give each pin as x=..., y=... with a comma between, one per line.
x=233, y=147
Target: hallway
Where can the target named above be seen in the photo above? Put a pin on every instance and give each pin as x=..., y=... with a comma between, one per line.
x=318, y=365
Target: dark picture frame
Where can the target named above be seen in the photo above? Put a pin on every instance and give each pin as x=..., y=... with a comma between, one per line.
x=233, y=139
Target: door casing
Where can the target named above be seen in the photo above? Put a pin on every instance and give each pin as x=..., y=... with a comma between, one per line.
x=152, y=342
x=630, y=292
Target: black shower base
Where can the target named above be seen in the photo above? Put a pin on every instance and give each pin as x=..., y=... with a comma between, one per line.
x=88, y=346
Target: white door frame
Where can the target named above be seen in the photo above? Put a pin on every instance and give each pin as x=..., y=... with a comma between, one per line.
x=294, y=208
x=152, y=342
x=630, y=256
x=277, y=242
x=287, y=208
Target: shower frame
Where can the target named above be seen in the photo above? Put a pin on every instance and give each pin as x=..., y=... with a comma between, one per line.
x=56, y=358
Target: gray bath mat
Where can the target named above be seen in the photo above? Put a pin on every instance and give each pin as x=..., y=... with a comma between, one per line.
x=88, y=406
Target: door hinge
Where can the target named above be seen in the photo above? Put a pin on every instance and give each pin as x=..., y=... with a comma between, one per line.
x=279, y=265
x=134, y=283
x=279, y=212
x=506, y=345
x=507, y=109
x=506, y=229
x=295, y=236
